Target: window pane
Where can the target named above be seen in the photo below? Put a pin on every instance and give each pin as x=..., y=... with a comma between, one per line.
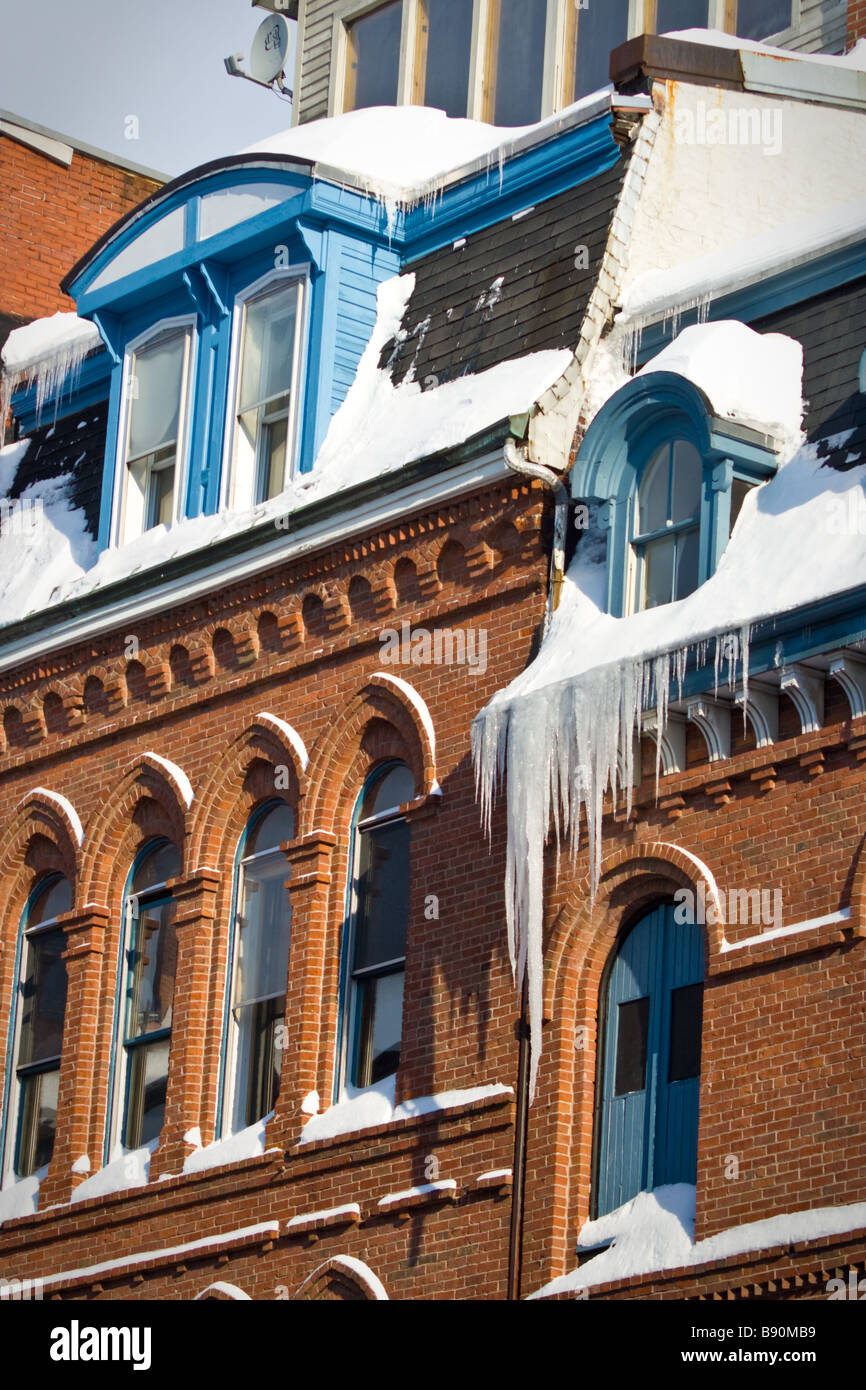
x=159, y=507
x=758, y=19
x=445, y=44
x=686, y=1010
x=160, y=865
x=383, y=895
x=381, y=1028
x=601, y=27
x=275, y=826
x=38, y=1121
x=658, y=573
x=654, y=492
x=393, y=790
x=258, y=1059
x=681, y=14
x=686, y=483
x=148, y=1081
x=373, y=58
x=52, y=901
x=687, y=564
x=152, y=967
x=631, y=1046
x=518, y=43
x=264, y=931
x=272, y=456
x=43, y=997
x=156, y=390
x=269, y=337
x=740, y=490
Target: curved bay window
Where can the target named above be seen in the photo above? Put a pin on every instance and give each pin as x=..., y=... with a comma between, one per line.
x=376, y=939
x=652, y=1007
x=260, y=966
x=148, y=997
x=40, y=1009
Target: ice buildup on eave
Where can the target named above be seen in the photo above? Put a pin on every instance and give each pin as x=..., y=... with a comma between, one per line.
x=47, y=352
x=562, y=735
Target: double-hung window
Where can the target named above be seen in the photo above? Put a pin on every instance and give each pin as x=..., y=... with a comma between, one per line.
x=156, y=389
x=150, y=967
x=260, y=964
x=266, y=404
x=376, y=955
x=41, y=1005
x=666, y=536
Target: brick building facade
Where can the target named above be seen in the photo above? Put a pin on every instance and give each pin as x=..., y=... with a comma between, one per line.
x=174, y=699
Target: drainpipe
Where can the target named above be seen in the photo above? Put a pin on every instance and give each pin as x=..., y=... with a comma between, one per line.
x=519, y=463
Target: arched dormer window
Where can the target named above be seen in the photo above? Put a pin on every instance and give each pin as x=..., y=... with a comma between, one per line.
x=375, y=940
x=669, y=479
x=258, y=969
x=39, y=1009
x=148, y=971
x=649, y=1074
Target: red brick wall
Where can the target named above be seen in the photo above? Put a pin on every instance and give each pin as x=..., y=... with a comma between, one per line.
x=49, y=216
x=856, y=21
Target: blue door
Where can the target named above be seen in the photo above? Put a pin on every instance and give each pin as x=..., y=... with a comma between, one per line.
x=648, y=1116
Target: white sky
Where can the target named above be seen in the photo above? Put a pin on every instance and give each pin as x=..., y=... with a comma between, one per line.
x=81, y=67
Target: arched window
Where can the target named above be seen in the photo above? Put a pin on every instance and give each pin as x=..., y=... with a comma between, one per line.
x=647, y=1116
x=38, y=1028
x=150, y=965
x=375, y=943
x=259, y=968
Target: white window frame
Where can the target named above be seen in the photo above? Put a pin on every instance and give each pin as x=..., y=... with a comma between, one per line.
x=8, y=1176
x=122, y=532
x=230, y=494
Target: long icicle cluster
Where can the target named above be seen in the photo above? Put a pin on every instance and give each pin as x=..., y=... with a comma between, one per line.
x=559, y=750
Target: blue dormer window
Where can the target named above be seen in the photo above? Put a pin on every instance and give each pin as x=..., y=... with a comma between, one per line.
x=269, y=336
x=669, y=479
x=150, y=481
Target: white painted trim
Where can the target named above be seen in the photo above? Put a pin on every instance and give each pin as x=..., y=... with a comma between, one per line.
x=53, y=149
x=776, y=933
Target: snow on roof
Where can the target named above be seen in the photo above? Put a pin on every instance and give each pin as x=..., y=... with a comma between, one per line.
x=655, y=1231
x=563, y=730
x=854, y=60
x=402, y=153
x=656, y=293
x=756, y=378
x=378, y=429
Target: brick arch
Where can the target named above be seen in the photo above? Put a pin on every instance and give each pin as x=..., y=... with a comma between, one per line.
x=577, y=951
x=596, y=924
x=390, y=704
x=226, y=1293
x=227, y=800
x=342, y=1279
x=43, y=835
x=148, y=803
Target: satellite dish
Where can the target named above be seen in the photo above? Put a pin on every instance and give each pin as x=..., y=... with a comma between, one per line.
x=270, y=49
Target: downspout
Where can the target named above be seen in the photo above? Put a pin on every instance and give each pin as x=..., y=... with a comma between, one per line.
x=518, y=463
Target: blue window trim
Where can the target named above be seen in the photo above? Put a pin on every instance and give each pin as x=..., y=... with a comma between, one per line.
x=7, y=1153
x=255, y=818
x=115, y=1110
x=646, y=413
x=345, y=1046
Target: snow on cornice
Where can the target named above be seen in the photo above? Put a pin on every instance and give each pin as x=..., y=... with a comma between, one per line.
x=854, y=61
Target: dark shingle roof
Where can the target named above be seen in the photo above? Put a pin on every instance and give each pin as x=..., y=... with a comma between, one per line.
x=460, y=319
x=74, y=444
x=832, y=329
